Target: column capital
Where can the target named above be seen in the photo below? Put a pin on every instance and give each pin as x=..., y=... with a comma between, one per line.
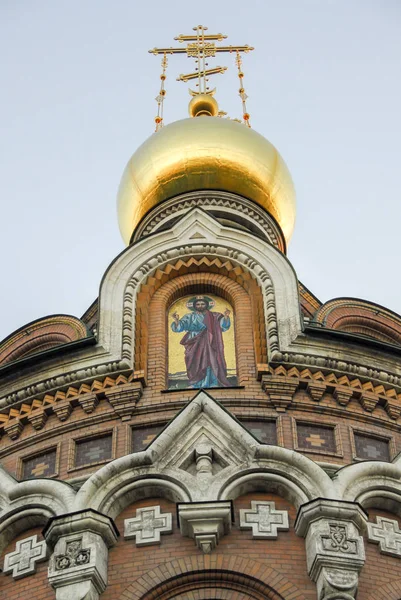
x=76, y=522
x=335, y=552
x=323, y=508
x=78, y=566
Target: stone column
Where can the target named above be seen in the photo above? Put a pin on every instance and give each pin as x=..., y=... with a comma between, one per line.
x=78, y=565
x=334, y=547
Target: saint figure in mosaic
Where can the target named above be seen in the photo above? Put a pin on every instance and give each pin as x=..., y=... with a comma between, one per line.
x=203, y=342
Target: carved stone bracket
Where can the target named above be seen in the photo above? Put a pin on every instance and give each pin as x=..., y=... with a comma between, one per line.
x=334, y=547
x=78, y=567
x=206, y=522
x=387, y=534
x=23, y=560
x=280, y=390
x=147, y=526
x=264, y=520
x=125, y=398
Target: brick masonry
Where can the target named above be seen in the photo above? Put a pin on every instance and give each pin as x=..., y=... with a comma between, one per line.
x=41, y=465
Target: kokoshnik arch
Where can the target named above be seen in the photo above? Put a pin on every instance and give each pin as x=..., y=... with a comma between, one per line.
x=208, y=428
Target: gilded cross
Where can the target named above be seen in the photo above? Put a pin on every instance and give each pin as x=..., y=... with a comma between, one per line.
x=201, y=46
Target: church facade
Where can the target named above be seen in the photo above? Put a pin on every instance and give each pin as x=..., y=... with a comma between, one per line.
x=208, y=429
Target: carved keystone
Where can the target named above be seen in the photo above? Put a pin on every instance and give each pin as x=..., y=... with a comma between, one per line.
x=78, y=567
x=206, y=522
x=387, y=534
x=264, y=520
x=334, y=548
x=147, y=526
x=280, y=390
x=23, y=560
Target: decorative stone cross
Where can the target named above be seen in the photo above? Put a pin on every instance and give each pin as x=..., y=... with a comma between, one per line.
x=147, y=526
x=264, y=520
x=386, y=533
x=23, y=560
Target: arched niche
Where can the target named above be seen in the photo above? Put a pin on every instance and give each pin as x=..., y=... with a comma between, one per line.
x=152, y=323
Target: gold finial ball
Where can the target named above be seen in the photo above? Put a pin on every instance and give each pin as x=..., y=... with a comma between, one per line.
x=203, y=105
x=205, y=154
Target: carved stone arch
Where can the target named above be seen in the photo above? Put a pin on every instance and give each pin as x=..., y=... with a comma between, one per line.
x=373, y=484
x=31, y=503
x=15, y=522
x=255, y=577
x=40, y=335
x=298, y=483
x=197, y=236
x=124, y=481
x=239, y=289
x=361, y=317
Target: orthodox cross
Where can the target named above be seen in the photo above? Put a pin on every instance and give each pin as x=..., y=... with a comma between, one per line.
x=200, y=46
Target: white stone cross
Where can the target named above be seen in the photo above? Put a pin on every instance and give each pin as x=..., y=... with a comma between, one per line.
x=264, y=519
x=386, y=533
x=22, y=561
x=147, y=526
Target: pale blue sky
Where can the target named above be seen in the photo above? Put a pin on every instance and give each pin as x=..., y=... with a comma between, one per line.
x=77, y=99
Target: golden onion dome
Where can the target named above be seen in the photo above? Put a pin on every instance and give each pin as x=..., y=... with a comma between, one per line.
x=209, y=153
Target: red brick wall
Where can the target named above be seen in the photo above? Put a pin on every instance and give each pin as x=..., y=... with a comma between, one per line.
x=33, y=587
x=285, y=557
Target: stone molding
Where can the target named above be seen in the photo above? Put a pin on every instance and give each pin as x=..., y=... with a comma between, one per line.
x=203, y=455
x=114, y=351
x=205, y=522
x=272, y=271
x=207, y=200
x=319, y=381
x=335, y=551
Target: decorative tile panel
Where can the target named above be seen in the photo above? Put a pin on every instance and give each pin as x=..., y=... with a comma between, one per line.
x=41, y=465
x=93, y=450
x=264, y=431
x=264, y=519
x=371, y=448
x=387, y=534
x=316, y=437
x=23, y=560
x=147, y=526
x=143, y=436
